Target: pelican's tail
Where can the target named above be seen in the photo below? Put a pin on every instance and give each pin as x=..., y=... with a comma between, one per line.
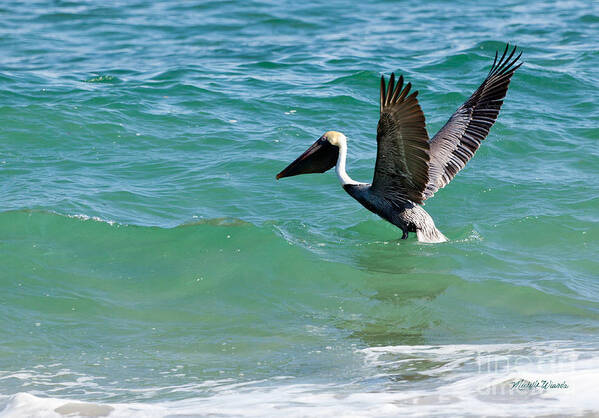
x=430, y=234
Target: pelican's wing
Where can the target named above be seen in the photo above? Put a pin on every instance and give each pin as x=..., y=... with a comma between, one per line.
x=402, y=159
x=455, y=144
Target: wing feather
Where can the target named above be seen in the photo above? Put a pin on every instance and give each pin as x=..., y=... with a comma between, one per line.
x=455, y=144
x=402, y=162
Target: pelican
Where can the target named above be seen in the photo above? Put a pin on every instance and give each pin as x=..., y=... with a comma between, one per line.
x=410, y=167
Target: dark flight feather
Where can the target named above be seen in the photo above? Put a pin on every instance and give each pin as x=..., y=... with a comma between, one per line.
x=402, y=162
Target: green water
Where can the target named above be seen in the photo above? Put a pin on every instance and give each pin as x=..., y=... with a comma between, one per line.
x=148, y=257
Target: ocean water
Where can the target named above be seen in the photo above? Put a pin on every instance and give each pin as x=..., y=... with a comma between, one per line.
x=150, y=264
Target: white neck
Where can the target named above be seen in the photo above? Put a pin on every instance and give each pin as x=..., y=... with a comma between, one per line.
x=342, y=175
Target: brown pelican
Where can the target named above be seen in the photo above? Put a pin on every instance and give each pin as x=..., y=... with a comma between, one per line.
x=410, y=167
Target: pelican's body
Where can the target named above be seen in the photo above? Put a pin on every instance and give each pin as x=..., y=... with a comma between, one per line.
x=403, y=213
x=410, y=167
x=407, y=216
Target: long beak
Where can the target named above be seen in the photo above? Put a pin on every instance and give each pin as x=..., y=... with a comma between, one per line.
x=320, y=157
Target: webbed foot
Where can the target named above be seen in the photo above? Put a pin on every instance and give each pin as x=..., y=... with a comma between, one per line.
x=405, y=235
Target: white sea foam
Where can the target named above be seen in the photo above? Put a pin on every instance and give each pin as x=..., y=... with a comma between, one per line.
x=92, y=218
x=454, y=380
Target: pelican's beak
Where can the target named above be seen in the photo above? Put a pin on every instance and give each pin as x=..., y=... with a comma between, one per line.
x=320, y=157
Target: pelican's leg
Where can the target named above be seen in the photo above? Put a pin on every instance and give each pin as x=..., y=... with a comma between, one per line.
x=405, y=234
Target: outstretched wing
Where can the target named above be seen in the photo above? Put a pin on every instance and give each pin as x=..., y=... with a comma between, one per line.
x=402, y=159
x=455, y=144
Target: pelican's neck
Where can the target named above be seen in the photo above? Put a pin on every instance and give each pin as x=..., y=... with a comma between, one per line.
x=342, y=175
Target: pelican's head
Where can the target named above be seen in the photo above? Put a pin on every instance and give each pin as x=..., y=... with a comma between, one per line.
x=320, y=157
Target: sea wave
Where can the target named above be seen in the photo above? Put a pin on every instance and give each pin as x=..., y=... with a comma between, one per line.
x=533, y=380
